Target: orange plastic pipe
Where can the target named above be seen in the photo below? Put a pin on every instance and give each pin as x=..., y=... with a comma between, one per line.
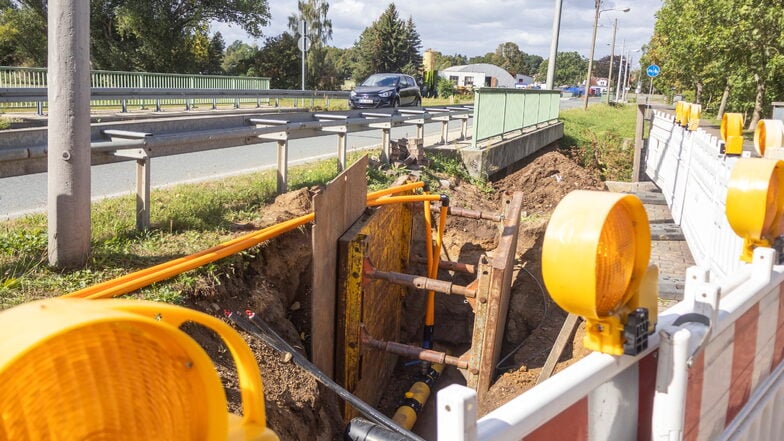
x=139, y=279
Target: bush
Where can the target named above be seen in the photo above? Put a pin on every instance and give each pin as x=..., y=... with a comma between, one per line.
x=445, y=88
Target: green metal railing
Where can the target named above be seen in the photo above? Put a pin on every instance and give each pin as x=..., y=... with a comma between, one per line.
x=500, y=111
x=36, y=77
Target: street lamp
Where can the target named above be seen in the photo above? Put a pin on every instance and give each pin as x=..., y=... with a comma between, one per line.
x=598, y=4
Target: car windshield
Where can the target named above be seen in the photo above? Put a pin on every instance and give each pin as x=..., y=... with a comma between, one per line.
x=380, y=80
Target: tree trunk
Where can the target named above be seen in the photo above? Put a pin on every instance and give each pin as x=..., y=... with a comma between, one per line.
x=755, y=116
x=698, y=92
x=724, y=97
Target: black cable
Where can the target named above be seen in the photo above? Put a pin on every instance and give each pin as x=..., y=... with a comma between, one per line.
x=261, y=330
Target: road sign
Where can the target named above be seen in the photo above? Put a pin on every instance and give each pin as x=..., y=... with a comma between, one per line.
x=304, y=44
x=653, y=70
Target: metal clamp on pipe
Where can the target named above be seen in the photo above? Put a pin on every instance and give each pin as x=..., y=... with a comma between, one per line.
x=416, y=352
x=418, y=282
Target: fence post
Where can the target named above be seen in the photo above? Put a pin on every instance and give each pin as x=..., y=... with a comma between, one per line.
x=638, y=141
x=456, y=414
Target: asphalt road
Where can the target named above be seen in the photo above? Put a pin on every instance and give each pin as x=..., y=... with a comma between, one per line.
x=27, y=194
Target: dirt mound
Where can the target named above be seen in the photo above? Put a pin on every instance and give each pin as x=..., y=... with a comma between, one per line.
x=274, y=281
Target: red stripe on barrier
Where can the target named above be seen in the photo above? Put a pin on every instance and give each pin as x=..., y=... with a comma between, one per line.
x=743, y=353
x=647, y=389
x=571, y=424
x=691, y=424
x=778, y=349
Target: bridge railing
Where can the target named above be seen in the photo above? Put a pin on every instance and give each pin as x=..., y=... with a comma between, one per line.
x=502, y=111
x=32, y=77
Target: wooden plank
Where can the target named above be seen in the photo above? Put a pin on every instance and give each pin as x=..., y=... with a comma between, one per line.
x=336, y=208
x=564, y=338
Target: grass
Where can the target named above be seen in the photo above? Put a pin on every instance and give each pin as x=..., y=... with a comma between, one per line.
x=185, y=219
x=602, y=138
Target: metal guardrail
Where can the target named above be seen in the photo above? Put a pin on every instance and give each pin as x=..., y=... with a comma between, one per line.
x=500, y=111
x=35, y=77
x=24, y=151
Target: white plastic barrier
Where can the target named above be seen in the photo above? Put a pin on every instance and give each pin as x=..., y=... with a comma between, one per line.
x=729, y=386
x=693, y=177
x=603, y=397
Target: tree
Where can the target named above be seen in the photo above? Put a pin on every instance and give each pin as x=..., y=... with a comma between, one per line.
x=570, y=68
x=319, y=32
x=279, y=59
x=388, y=45
x=147, y=35
x=22, y=35
x=238, y=58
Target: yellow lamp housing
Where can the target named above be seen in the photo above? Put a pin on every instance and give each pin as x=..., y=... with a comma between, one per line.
x=76, y=369
x=679, y=112
x=755, y=202
x=732, y=133
x=768, y=136
x=685, y=114
x=695, y=114
x=594, y=259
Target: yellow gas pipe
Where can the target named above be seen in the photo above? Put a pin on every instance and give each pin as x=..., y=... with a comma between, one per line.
x=416, y=397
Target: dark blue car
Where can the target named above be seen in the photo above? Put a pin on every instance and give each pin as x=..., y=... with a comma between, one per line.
x=386, y=90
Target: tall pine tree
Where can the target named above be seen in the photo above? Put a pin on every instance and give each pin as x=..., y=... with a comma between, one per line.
x=388, y=45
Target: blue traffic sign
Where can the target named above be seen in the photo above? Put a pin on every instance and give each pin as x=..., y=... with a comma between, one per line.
x=653, y=70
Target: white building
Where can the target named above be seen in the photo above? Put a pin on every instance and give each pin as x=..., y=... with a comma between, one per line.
x=478, y=75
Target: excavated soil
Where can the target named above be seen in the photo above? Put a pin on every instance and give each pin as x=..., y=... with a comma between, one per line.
x=274, y=281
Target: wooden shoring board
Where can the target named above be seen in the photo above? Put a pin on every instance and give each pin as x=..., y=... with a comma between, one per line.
x=383, y=236
x=495, y=286
x=336, y=208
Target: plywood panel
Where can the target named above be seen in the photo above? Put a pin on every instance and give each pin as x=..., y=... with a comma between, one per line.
x=383, y=237
x=336, y=208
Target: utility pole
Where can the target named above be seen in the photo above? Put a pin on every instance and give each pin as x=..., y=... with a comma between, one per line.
x=69, y=156
x=612, y=59
x=554, y=45
x=598, y=4
x=620, y=65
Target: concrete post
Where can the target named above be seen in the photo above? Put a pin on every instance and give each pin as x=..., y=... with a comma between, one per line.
x=69, y=133
x=554, y=45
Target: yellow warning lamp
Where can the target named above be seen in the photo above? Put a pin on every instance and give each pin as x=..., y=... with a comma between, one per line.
x=755, y=202
x=683, y=118
x=695, y=114
x=732, y=133
x=594, y=259
x=76, y=369
x=678, y=111
x=769, y=135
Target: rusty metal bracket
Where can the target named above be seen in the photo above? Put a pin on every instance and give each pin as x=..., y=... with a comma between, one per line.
x=418, y=282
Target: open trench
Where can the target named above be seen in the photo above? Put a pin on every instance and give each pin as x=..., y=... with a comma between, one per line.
x=275, y=281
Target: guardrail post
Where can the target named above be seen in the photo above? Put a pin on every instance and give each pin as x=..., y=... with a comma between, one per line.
x=143, y=193
x=214, y=103
x=420, y=131
x=385, y=145
x=283, y=164
x=157, y=105
x=341, y=152
x=123, y=106
x=444, y=131
x=39, y=108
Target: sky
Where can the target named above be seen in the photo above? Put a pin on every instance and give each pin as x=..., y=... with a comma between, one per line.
x=476, y=27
